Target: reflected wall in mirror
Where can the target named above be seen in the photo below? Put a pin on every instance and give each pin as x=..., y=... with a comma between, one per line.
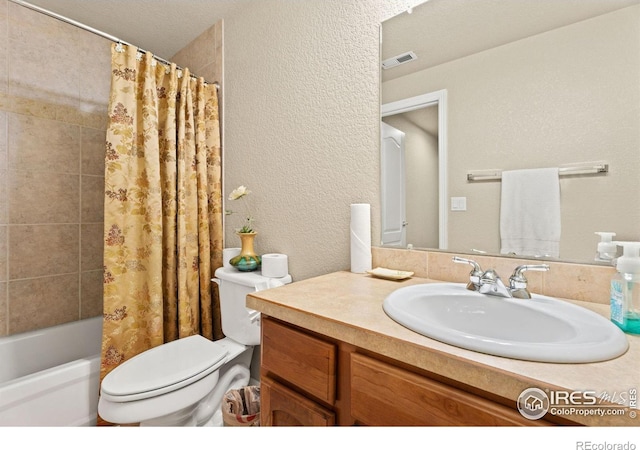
x=530, y=84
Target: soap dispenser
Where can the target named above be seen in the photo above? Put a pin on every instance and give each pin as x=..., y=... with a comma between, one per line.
x=625, y=289
x=607, y=249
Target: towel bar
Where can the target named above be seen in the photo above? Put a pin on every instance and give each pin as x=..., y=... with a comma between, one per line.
x=578, y=169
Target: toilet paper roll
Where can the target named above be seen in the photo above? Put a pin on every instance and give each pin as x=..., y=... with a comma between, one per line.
x=275, y=265
x=360, y=237
x=227, y=254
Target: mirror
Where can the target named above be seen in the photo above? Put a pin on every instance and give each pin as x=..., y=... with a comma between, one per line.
x=529, y=84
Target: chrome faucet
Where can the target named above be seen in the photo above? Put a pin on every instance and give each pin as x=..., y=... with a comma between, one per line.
x=518, y=283
x=474, y=275
x=490, y=283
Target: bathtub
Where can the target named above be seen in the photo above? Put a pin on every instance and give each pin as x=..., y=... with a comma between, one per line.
x=51, y=377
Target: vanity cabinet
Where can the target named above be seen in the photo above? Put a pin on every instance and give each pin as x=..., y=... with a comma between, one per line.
x=309, y=379
x=281, y=406
x=383, y=394
x=298, y=377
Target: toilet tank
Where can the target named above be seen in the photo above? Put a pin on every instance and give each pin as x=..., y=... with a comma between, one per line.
x=239, y=322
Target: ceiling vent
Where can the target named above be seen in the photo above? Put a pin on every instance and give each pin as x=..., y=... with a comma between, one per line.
x=397, y=60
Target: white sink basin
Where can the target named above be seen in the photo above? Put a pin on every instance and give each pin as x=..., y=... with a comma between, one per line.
x=538, y=329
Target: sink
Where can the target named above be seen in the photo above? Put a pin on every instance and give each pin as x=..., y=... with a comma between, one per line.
x=541, y=329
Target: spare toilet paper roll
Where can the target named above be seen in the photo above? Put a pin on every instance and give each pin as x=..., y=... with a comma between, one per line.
x=360, y=237
x=227, y=254
x=275, y=265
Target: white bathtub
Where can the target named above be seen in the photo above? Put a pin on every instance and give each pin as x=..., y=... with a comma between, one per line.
x=51, y=377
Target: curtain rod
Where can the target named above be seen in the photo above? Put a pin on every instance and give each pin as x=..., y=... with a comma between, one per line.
x=92, y=30
x=576, y=169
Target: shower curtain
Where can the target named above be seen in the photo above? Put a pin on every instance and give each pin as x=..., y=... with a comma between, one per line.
x=163, y=207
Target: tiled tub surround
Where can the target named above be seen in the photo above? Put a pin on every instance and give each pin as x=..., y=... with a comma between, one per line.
x=348, y=307
x=54, y=89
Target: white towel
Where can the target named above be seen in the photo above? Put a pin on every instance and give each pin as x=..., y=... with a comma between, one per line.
x=530, y=212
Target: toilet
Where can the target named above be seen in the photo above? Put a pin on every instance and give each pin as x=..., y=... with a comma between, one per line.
x=181, y=383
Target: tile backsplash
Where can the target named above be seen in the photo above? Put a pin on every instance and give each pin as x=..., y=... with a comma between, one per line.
x=583, y=282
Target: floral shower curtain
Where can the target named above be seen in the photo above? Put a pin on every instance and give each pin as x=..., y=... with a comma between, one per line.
x=163, y=207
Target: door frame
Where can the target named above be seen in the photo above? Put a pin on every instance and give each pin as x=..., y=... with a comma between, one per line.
x=438, y=98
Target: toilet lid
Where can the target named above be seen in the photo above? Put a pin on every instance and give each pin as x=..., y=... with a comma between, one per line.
x=164, y=369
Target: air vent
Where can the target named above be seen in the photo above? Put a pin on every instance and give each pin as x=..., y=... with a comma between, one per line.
x=397, y=60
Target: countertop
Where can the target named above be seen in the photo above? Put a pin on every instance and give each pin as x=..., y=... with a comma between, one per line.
x=348, y=307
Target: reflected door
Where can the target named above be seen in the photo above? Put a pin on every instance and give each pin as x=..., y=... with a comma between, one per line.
x=392, y=177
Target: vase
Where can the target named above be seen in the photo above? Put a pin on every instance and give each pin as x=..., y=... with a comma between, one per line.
x=247, y=260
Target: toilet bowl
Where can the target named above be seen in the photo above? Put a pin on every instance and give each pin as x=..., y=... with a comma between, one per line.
x=181, y=383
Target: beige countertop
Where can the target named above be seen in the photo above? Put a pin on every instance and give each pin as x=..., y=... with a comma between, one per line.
x=348, y=307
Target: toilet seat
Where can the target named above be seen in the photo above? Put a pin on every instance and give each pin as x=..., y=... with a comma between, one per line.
x=163, y=369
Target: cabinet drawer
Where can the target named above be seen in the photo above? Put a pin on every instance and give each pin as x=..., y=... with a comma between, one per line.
x=382, y=394
x=303, y=360
x=283, y=407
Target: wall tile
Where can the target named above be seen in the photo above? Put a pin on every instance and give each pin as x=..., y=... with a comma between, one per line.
x=92, y=245
x=203, y=55
x=4, y=71
x=3, y=253
x=4, y=25
x=43, y=145
x=34, y=38
x=91, y=294
x=579, y=281
x=414, y=260
x=99, y=121
x=582, y=282
x=93, y=145
x=54, y=80
x=31, y=107
x=4, y=328
x=42, y=250
x=3, y=198
x=3, y=141
x=95, y=82
x=43, y=198
x=43, y=302
x=92, y=199
x=209, y=73
x=58, y=84
x=3, y=167
x=36, y=29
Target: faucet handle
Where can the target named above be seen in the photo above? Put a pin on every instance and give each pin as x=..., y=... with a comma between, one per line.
x=518, y=282
x=518, y=275
x=475, y=274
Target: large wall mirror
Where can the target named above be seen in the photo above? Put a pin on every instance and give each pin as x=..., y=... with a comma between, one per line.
x=529, y=84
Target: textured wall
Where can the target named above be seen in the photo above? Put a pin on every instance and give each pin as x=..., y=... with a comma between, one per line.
x=301, y=125
x=54, y=89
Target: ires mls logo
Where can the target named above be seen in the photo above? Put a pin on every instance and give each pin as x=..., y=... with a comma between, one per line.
x=534, y=403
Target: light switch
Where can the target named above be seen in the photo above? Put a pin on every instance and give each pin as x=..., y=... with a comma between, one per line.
x=458, y=203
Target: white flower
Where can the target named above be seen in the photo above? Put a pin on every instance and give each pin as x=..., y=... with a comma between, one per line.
x=239, y=193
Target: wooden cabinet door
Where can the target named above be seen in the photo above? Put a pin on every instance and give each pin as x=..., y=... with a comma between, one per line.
x=382, y=394
x=280, y=406
x=302, y=360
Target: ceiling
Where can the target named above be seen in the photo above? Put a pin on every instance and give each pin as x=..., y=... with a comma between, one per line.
x=161, y=27
x=439, y=31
